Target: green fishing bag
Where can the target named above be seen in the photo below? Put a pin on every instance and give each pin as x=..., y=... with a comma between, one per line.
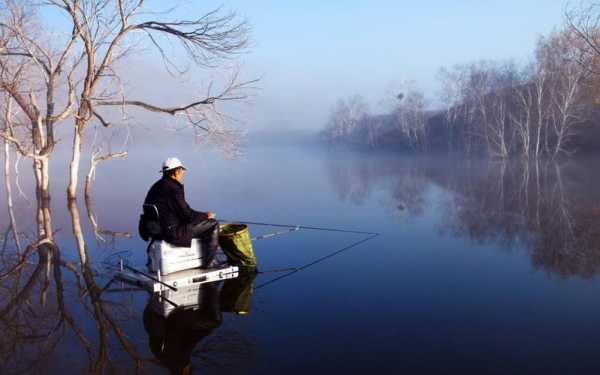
x=236, y=243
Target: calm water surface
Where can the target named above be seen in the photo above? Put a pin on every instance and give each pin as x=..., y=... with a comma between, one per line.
x=479, y=267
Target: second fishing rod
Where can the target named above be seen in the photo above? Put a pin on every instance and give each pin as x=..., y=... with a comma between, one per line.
x=298, y=227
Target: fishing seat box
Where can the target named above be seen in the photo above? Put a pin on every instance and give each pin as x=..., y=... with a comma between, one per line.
x=167, y=258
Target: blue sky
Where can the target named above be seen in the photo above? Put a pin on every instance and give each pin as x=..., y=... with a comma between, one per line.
x=310, y=53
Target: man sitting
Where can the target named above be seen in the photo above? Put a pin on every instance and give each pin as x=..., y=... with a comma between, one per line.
x=178, y=222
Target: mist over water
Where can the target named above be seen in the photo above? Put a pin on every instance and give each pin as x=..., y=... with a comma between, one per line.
x=421, y=191
x=480, y=266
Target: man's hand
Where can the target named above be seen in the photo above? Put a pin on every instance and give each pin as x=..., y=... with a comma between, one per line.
x=210, y=215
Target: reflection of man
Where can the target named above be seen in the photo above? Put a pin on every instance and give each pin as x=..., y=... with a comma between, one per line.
x=173, y=339
x=178, y=222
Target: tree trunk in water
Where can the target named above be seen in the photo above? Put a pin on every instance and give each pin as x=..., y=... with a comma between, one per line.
x=77, y=232
x=88, y=180
x=559, y=139
x=538, y=141
x=9, y=201
x=102, y=319
x=74, y=167
x=45, y=195
x=37, y=173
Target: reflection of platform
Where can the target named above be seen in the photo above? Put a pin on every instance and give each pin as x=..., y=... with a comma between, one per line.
x=155, y=283
x=234, y=295
x=184, y=297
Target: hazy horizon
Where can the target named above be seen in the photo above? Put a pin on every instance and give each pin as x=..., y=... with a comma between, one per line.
x=309, y=55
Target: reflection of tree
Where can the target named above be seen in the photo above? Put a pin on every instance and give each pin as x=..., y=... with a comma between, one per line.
x=486, y=204
x=48, y=304
x=33, y=319
x=32, y=324
x=36, y=291
x=544, y=207
x=352, y=181
x=99, y=232
x=570, y=243
x=100, y=309
x=530, y=205
x=96, y=159
x=355, y=179
x=408, y=192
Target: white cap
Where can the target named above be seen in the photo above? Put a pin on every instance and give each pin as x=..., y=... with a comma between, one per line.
x=171, y=163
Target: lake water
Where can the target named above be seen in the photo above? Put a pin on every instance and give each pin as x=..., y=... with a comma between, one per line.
x=479, y=267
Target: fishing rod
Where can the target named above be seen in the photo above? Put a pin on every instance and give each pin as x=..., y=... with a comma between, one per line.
x=276, y=270
x=150, y=277
x=297, y=227
x=274, y=234
x=319, y=260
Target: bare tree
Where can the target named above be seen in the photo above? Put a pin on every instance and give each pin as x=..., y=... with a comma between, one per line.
x=6, y=119
x=541, y=104
x=335, y=130
x=478, y=105
x=345, y=118
x=410, y=116
x=522, y=117
x=533, y=111
x=497, y=128
x=583, y=23
x=104, y=30
x=30, y=70
x=560, y=54
x=82, y=68
x=452, y=95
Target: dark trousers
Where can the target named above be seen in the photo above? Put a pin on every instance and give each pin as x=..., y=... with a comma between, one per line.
x=208, y=233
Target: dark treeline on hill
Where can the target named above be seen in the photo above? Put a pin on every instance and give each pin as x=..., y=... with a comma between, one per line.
x=547, y=108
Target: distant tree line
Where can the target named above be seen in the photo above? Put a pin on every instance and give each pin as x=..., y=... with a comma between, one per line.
x=547, y=108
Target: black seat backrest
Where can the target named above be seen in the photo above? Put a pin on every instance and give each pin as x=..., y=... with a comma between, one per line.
x=150, y=211
x=151, y=221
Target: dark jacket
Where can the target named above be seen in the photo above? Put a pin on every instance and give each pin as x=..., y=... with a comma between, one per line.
x=175, y=215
